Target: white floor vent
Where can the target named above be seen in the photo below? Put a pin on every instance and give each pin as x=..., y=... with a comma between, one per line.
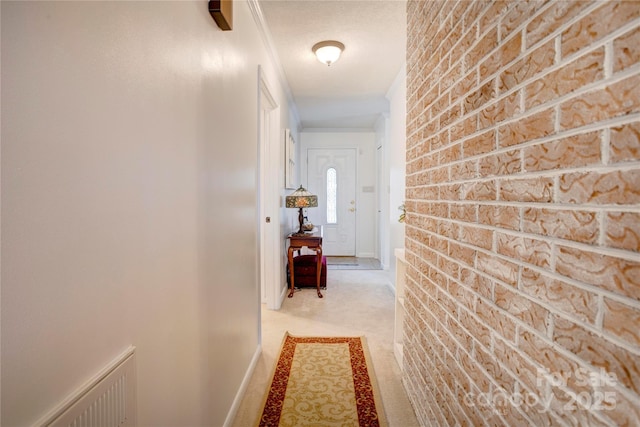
x=107, y=400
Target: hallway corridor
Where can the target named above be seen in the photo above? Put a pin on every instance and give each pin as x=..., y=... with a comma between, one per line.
x=356, y=303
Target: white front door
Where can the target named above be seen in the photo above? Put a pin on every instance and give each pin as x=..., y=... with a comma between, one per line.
x=331, y=175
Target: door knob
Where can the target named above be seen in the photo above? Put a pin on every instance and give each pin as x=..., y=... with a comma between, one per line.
x=352, y=210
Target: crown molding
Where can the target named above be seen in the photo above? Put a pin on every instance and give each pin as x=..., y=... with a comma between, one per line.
x=265, y=34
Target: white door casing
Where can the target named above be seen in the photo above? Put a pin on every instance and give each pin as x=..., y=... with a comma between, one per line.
x=339, y=237
x=269, y=219
x=379, y=201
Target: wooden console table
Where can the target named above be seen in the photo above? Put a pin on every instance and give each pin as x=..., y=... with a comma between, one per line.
x=312, y=241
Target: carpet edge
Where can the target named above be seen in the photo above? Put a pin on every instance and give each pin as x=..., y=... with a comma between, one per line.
x=377, y=396
x=271, y=378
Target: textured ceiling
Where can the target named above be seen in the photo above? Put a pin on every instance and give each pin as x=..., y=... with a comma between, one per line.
x=351, y=92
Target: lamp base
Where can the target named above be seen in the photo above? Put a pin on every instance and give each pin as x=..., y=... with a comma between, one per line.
x=300, y=231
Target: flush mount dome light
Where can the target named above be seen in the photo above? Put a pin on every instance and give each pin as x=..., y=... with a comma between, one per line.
x=328, y=51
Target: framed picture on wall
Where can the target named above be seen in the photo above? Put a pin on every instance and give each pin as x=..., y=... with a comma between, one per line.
x=289, y=160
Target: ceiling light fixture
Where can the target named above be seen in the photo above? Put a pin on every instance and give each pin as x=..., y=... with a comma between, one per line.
x=328, y=51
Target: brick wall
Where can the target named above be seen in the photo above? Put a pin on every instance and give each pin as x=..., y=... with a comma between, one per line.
x=523, y=222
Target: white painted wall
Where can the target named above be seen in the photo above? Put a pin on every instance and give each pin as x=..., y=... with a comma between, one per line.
x=129, y=153
x=365, y=144
x=396, y=151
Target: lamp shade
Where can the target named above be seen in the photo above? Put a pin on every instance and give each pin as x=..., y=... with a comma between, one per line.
x=328, y=51
x=301, y=198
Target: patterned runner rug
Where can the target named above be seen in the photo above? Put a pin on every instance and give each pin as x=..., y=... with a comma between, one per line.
x=323, y=381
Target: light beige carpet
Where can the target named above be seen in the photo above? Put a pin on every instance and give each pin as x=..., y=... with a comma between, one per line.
x=323, y=381
x=352, y=263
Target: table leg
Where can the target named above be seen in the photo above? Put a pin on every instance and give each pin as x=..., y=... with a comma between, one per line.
x=291, y=270
x=319, y=270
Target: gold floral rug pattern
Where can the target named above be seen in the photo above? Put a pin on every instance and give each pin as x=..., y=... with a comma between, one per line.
x=323, y=381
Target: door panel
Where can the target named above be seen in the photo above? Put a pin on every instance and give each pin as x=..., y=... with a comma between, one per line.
x=339, y=230
x=271, y=285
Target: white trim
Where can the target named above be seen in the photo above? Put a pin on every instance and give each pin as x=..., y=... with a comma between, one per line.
x=284, y=291
x=265, y=34
x=265, y=87
x=391, y=287
x=269, y=166
x=233, y=411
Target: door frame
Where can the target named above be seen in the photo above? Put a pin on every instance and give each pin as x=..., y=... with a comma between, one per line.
x=268, y=194
x=379, y=203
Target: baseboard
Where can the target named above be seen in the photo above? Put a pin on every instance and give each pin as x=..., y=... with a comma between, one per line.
x=392, y=287
x=283, y=295
x=233, y=411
